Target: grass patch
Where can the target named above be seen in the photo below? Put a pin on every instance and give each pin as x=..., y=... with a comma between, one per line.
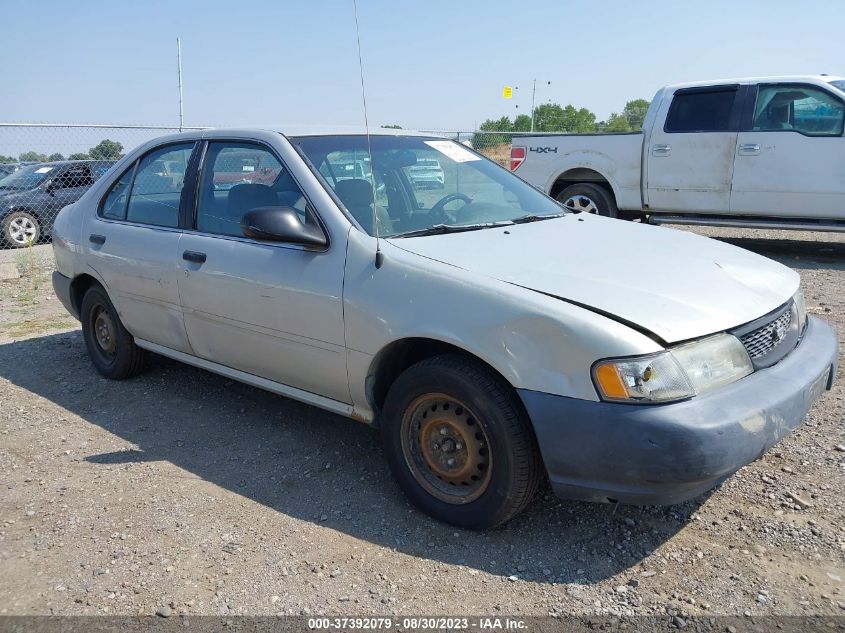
x=29, y=327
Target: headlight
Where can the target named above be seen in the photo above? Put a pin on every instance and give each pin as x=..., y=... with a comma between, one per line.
x=682, y=372
x=801, y=309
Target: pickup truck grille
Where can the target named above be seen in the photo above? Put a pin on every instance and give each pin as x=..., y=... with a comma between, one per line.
x=762, y=341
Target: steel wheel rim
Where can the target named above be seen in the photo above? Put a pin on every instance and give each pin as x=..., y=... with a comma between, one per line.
x=446, y=448
x=581, y=203
x=104, y=331
x=22, y=230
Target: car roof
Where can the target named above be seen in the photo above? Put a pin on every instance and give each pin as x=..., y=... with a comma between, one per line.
x=810, y=79
x=64, y=163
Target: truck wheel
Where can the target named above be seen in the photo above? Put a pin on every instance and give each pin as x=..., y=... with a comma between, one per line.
x=21, y=229
x=111, y=348
x=459, y=442
x=588, y=198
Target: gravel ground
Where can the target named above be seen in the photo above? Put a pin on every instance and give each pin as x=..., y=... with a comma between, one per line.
x=183, y=492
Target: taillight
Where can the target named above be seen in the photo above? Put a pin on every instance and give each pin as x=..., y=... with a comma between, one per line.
x=517, y=157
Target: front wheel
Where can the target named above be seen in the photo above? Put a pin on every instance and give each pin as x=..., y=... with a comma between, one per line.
x=588, y=198
x=110, y=346
x=459, y=442
x=21, y=229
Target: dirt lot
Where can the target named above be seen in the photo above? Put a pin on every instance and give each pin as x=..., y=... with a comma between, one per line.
x=183, y=492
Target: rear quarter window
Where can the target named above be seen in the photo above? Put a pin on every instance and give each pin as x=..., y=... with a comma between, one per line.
x=701, y=111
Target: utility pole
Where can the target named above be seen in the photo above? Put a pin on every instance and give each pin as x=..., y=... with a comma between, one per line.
x=533, y=94
x=179, y=62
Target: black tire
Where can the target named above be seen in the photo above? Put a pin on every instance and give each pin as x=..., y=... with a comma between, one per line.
x=114, y=352
x=604, y=202
x=20, y=229
x=486, y=404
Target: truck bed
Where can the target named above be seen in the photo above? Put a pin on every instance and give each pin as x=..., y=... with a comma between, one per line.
x=554, y=160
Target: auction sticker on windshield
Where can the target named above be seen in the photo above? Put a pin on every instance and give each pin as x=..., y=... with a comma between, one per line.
x=453, y=150
x=43, y=170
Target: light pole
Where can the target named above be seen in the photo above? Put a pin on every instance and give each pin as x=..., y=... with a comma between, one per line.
x=533, y=94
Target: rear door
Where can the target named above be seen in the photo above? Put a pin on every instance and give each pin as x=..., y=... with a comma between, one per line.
x=690, y=159
x=133, y=245
x=790, y=158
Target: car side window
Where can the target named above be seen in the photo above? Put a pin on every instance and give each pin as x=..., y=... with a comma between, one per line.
x=238, y=177
x=701, y=111
x=157, y=189
x=114, y=204
x=802, y=109
x=76, y=176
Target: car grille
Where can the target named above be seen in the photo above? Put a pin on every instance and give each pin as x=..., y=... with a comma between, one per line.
x=763, y=340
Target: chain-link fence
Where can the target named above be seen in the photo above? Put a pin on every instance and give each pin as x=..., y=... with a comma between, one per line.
x=45, y=167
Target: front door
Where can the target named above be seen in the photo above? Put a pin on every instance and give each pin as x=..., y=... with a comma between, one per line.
x=66, y=188
x=133, y=245
x=273, y=310
x=790, y=158
x=690, y=160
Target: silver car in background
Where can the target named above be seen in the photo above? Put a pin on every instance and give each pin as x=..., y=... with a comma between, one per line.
x=494, y=338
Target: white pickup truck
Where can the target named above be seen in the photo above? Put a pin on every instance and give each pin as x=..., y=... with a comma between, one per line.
x=766, y=152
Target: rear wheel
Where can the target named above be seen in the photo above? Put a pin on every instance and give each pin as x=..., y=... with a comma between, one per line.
x=459, y=442
x=110, y=347
x=21, y=229
x=589, y=198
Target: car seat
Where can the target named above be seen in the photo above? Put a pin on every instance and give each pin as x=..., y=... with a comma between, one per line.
x=356, y=195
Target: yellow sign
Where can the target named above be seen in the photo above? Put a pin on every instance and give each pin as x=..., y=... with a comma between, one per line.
x=507, y=92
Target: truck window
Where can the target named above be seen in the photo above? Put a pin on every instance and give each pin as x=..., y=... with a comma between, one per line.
x=701, y=111
x=802, y=109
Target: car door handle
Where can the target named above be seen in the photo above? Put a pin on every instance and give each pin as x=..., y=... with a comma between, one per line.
x=749, y=149
x=661, y=150
x=97, y=239
x=194, y=256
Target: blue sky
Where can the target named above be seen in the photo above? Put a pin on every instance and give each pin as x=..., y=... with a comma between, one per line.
x=429, y=64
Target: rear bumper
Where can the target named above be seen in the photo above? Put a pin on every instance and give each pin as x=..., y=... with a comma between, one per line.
x=61, y=286
x=665, y=454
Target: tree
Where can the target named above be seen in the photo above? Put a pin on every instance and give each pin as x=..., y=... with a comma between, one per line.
x=392, y=127
x=56, y=156
x=616, y=123
x=8, y=159
x=106, y=150
x=79, y=156
x=32, y=157
x=502, y=124
x=551, y=117
x=522, y=123
x=634, y=113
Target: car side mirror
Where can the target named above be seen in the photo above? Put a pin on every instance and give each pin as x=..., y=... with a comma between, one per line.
x=280, y=224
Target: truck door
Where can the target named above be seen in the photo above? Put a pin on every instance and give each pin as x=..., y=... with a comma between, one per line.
x=790, y=156
x=689, y=161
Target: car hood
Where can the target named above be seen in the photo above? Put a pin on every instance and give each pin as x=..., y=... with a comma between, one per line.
x=675, y=284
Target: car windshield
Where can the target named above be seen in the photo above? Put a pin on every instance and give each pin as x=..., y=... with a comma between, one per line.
x=27, y=178
x=421, y=184
x=839, y=83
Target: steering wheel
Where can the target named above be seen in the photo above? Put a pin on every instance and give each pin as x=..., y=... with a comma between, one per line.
x=438, y=211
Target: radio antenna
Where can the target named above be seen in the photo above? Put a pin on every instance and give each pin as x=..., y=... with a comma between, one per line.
x=379, y=256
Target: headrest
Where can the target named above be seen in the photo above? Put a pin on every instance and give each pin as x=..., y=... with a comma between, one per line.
x=355, y=192
x=249, y=196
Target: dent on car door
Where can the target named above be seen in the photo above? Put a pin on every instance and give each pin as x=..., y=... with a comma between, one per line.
x=690, y=158
x=789, y=158
x=133, y=244
x=270, y=309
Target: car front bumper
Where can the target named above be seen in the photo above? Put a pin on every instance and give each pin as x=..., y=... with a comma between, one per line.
x=665, y=454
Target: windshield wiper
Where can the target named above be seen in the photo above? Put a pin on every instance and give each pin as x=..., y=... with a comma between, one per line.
x=533, y=217
x=438, y=229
